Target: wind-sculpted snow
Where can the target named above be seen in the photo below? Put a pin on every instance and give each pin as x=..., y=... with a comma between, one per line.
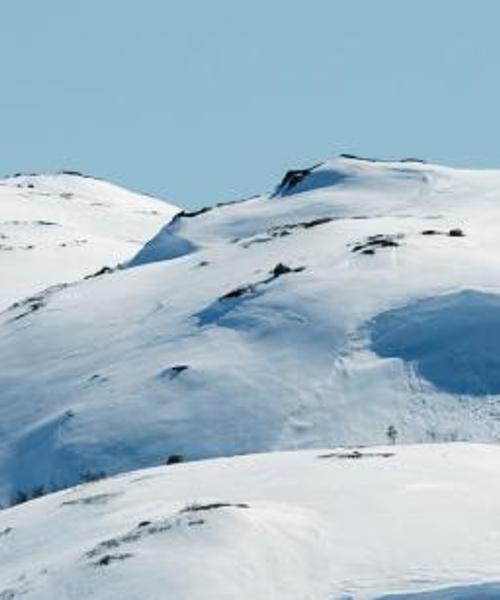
x=331, y=173
x=259, y=326
x=167, y=245
x=394, y=523
x=454, y=340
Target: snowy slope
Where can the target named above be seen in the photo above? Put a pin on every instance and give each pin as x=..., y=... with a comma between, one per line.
x=393, y=523
x=321, y=314
x=59, y=228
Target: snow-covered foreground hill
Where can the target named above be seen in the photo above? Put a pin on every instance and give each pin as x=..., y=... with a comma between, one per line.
x=393, y=523
x=59, y=228
x=361, y=295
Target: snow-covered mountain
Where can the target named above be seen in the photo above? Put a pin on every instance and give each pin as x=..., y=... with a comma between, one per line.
x=395, y=523
x=360, y=295
x=60, y=228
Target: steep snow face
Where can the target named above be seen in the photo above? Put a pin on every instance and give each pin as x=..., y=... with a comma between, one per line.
x=266, y=324
x=59, y=228
x=392, y=523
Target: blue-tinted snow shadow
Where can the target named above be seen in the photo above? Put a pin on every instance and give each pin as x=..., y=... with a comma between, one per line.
x=453, y=340
x=165, y=246
x=220, y=311
x=486, y=591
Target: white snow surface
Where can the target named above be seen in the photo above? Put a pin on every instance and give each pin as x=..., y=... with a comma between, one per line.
x=417, y=522
x=60, y=228
x=121, y=371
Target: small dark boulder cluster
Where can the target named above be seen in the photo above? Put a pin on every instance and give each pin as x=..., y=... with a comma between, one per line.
x=176, y=370
x=409, y=159
x=212, y=506
x=279, y=231
x=108, y=551
x=237, y=292
x=74, y=173
x=107, y=559
x=34, y=303
x=99, y=273
x=291, y=179
x=278, y=270
x=356, y=454
x=281, y=269
x=455, y=232
x=286, y=229
x=376, y=242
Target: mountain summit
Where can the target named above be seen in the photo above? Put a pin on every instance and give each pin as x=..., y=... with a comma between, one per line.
x=62, y=227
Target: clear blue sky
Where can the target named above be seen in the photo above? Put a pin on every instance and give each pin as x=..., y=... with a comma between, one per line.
x=201, y=101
